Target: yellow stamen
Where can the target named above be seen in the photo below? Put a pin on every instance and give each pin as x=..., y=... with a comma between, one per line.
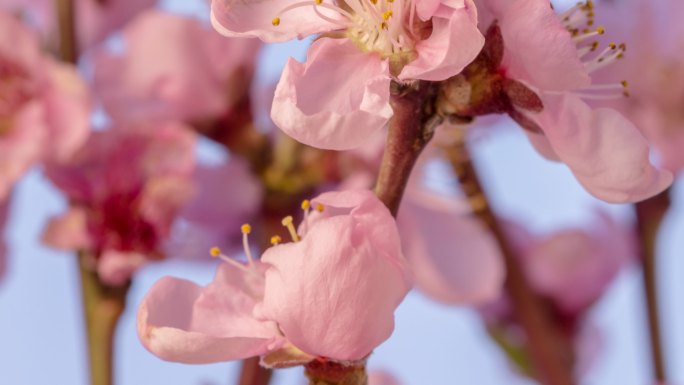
x=275, y=240
x=215, y=252
x=320, y=208
x=287, y=222
x=275, y=21
x=306, y=205
x=246, y=228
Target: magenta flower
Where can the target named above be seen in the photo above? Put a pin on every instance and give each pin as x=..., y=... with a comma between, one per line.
x=340, y=96
x=125, y=188
x=44, y=105
x=195, y=75
x=553, y=56
x=330, y=294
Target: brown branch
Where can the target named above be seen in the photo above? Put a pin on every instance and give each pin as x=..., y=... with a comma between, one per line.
x=649, y=214
x=68, y=46
x=102, y=308
x=551, y=357
x=410, y=130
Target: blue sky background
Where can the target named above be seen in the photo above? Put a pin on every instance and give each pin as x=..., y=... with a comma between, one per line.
x=41, y=339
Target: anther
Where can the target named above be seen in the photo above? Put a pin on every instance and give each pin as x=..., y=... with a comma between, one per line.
x=287, y=223
x=275, y=240
x=320, y=208
x=215, y=252
x=246, y=228
x=306, y=205
x=275, y=21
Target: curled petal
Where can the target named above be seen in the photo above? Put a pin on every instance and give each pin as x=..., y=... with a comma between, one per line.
x=249, y=18
x=605, y=151
x=68, y=231
x=454, y=43
x=336, y=100
x=333, y=294
x=180, y=321
x=539, y=50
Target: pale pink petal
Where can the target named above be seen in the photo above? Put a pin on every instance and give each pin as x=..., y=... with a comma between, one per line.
x=115, y=268
x=97, y=19
x=67, y=111
x=333, y=294
x=539, y=50
x=338, y=118
x=454, y=43
x=426, y=8
x=180, y=321
x=605, y=151
x=454, y=258
x=239, y=18
x=68, y=231
x=197, y=74
x=22, y=146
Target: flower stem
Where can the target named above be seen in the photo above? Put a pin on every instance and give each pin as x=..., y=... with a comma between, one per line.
x=68, y=46
x=331, y=373
x=102, y=307
x=410, y=129
x=551, y=355
x=649, y=214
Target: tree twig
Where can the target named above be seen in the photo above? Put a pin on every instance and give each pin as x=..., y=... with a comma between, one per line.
x=650, y=214
x=551, y=357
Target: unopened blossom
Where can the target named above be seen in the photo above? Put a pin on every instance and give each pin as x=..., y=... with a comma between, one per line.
x=329, y=294
x=95, y=19
x=125, y=188
x=44, y=105
x=537, y=66
x=195, y=75
x=340, y=95
x=574, y=267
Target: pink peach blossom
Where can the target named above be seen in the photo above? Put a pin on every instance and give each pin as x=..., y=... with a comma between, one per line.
x=44, y=108
x=331, y=293
x=195, y=75
x=653, y=34
x=604, y=150
x=340, y=96
x=125, y=187
x=95, y=19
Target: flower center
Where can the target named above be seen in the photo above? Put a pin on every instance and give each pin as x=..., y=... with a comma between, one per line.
x=15, y=91
x=246, y=229
x=579, y=21
x=381, y=26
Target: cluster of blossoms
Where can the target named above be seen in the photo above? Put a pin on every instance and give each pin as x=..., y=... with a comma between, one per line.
x=137, y=190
